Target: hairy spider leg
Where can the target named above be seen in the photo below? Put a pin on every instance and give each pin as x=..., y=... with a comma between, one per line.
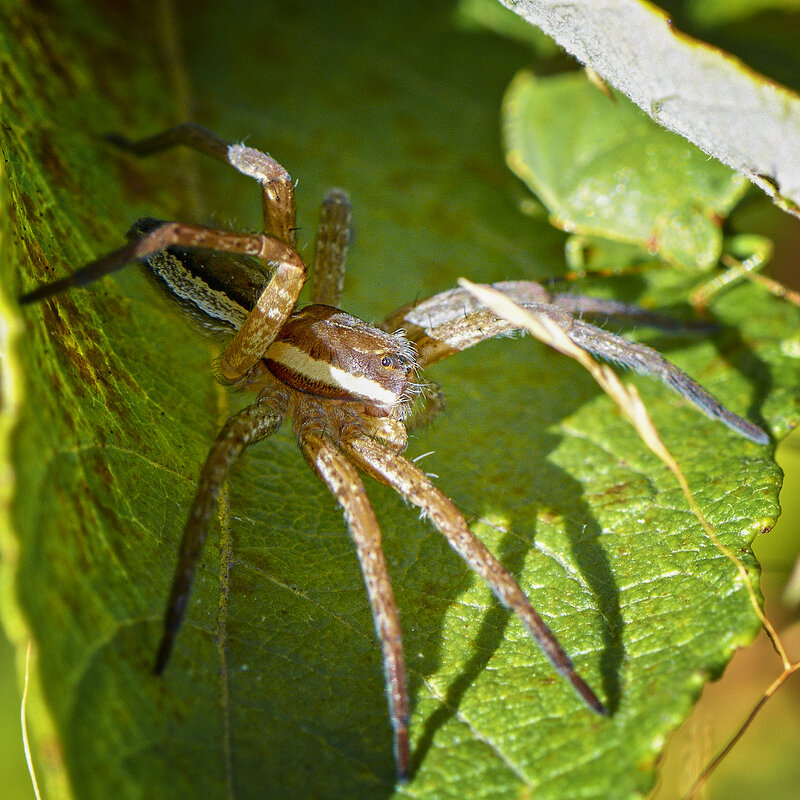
x=166, y=234
x=647, y=361
x=332, y=466
x=111, y=262
x=248, y=426
x=270, y=312
x=456, y=322
x=189, y=134
x=333, y=239
x=584, y=305
x=413, y=484
x=278, y=189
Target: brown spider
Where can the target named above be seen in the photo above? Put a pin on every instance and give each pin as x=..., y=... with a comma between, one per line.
x=346, y=385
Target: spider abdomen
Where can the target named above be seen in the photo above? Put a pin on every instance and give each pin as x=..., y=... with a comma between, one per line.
x=328, y=353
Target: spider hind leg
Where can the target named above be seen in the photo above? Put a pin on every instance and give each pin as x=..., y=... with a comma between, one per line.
x=414, y=485
x=335, y=470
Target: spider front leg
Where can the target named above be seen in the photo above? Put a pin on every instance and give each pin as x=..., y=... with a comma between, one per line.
x=333, y=238
x=250, y=425
x=453, y=321
x=270, y=312
x=278, y=189
x=343, y=481
x=390, y=468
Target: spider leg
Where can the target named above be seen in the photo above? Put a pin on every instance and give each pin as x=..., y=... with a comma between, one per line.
x=396, y=471
x=454, y=320
x=279, y=208
x=448, y=323
x=333, y=238
x=443, y=316
x=270, y=312
x=647, y=361
x=581, y=304
x=170, y=233
x=250, y=425
x=338, y=473
x=109, y=263
x=188, y=133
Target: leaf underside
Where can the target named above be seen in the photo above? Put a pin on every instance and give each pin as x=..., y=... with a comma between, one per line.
x=275, y=687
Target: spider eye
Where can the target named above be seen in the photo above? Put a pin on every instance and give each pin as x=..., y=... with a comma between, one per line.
x=387, y=361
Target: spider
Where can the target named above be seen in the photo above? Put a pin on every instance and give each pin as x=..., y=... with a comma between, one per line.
x=346, y=385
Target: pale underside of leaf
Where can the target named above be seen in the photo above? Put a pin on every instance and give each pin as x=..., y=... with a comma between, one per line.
x=730, y=112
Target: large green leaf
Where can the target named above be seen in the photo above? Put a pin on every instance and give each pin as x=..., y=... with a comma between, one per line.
x=603, y=168
x=275, y=687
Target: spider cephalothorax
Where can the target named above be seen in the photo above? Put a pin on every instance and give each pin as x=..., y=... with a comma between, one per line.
x=345, y=384
x=328, y=353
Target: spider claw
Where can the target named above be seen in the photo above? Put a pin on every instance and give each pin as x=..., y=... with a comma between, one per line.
x=164, y=651
x=587, y=695
x=402, y=754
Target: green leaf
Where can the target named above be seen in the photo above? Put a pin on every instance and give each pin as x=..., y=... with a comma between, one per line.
x=603, y=168
x=275, y=686
x=728, y=110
